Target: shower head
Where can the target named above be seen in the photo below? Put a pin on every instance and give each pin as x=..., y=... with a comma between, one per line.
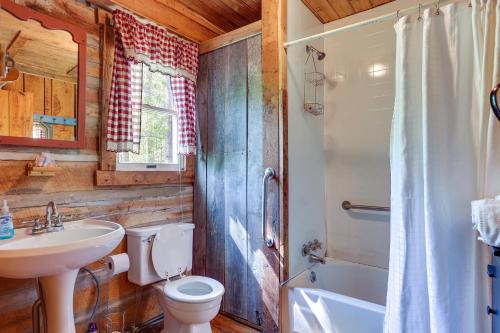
x=319, y=54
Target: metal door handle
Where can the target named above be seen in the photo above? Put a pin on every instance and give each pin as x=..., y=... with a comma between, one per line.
x=269, y=173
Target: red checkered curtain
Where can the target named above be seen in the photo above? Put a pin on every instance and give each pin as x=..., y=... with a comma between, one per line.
x=144, y=43
x=185, y=99
x=124, y=113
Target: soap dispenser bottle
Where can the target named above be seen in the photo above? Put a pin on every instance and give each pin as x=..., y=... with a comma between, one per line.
x=6, y=225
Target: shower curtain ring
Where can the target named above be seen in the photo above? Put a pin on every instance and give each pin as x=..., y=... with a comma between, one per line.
x=419, y=12
x=398, y=15
x=437, y=7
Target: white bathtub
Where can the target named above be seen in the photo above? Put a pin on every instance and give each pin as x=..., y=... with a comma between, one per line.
x=345, y=298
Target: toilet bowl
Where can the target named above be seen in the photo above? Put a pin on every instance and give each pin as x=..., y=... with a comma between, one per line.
x=189, y=304
x=164, y=253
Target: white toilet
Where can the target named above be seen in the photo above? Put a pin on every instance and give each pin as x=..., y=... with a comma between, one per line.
x=164, y=253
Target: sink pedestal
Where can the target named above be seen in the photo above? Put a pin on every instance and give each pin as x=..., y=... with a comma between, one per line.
x=55, y=258
x=58, y=298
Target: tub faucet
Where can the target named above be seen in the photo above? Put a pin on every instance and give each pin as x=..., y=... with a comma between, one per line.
x=311, y=246
x=315, y=259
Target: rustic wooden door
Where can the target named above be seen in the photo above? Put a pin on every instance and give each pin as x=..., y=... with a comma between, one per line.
x=228, y=189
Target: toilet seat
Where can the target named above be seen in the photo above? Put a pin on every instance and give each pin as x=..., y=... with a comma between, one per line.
x=168, y=263
x=194, y=289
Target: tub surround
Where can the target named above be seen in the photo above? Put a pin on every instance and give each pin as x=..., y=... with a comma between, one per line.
x=314, y=302
x=305, y=144
x=357, y=135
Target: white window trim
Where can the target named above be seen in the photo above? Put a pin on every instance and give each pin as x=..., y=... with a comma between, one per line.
x=147, y=167
x=179, y=166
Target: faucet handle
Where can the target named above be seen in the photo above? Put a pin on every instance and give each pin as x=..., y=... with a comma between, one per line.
x=316, y=245
x=34, y=222
x=37, y=226
x=59, y=222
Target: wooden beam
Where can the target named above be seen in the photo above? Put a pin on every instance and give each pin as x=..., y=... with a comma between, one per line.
x=43, y=72
x=103, y=16
x=108, y=158
x=234, y=36
x=275, y=152
x=188, y=12
x=166, y=13
x=2, y=62
x=127, y=178
x=72, y=70
x=16, y=44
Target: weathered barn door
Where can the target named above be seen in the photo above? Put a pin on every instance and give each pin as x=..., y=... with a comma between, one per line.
x=228, y=190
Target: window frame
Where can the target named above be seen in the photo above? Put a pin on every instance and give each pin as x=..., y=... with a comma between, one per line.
x=106, y=173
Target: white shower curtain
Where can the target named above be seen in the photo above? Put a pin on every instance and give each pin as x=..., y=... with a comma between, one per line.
x=442, y=149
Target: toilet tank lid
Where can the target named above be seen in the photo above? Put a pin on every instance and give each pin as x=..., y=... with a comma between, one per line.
x=154, y=229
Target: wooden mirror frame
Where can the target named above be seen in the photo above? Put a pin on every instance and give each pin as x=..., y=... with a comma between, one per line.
x=80, y=37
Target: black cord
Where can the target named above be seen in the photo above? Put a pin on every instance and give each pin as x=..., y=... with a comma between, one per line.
x=98, y=297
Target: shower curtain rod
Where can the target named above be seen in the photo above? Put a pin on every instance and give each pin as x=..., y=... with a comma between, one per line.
x=379, y=19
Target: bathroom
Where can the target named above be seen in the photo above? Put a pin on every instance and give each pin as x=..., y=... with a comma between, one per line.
x=265, y=158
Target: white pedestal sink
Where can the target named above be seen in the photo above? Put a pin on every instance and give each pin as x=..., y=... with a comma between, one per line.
x=56, y=258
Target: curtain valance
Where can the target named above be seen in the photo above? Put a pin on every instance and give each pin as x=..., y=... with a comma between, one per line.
x=140, y=43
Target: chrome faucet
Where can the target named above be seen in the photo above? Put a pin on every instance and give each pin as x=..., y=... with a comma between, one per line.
x=310, y=247
x=316, y=259
x=53, y=212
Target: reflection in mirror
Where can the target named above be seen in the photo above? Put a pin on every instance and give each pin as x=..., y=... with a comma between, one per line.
x=38, y=81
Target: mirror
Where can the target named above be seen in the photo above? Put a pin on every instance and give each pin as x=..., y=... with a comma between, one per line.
x=42, y=79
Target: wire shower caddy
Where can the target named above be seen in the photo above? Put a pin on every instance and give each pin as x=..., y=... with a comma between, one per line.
x=313, y=80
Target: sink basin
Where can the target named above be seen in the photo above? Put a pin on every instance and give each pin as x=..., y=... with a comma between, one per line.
x=56, y=258
x=81, y=243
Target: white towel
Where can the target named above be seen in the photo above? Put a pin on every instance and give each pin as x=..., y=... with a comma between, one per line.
x=486, y=220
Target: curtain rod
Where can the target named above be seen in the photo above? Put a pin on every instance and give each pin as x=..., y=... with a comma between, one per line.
x=365, y=23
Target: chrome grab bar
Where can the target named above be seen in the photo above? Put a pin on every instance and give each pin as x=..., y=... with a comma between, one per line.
x=269, y=173
x=346, y=205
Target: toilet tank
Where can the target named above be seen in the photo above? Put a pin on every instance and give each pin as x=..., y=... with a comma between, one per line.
x=139, y=244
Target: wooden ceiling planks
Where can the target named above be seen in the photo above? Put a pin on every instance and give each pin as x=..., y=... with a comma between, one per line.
x=227, y=14
x=200, y=21
x=196, y=20
x=331, y=10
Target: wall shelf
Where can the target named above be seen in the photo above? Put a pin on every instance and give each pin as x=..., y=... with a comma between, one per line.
x=34, y=171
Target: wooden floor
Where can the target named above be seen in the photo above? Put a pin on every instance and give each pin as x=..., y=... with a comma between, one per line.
x=221, y=324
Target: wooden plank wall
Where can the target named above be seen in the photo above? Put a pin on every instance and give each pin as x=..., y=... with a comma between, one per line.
x=229, y=168
x=39, y=95
x=74, y=191
x=17, y=113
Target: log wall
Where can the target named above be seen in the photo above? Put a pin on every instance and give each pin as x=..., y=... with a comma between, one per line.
x=73, y=189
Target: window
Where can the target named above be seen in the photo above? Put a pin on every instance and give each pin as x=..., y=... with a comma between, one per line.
x=158, y=147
